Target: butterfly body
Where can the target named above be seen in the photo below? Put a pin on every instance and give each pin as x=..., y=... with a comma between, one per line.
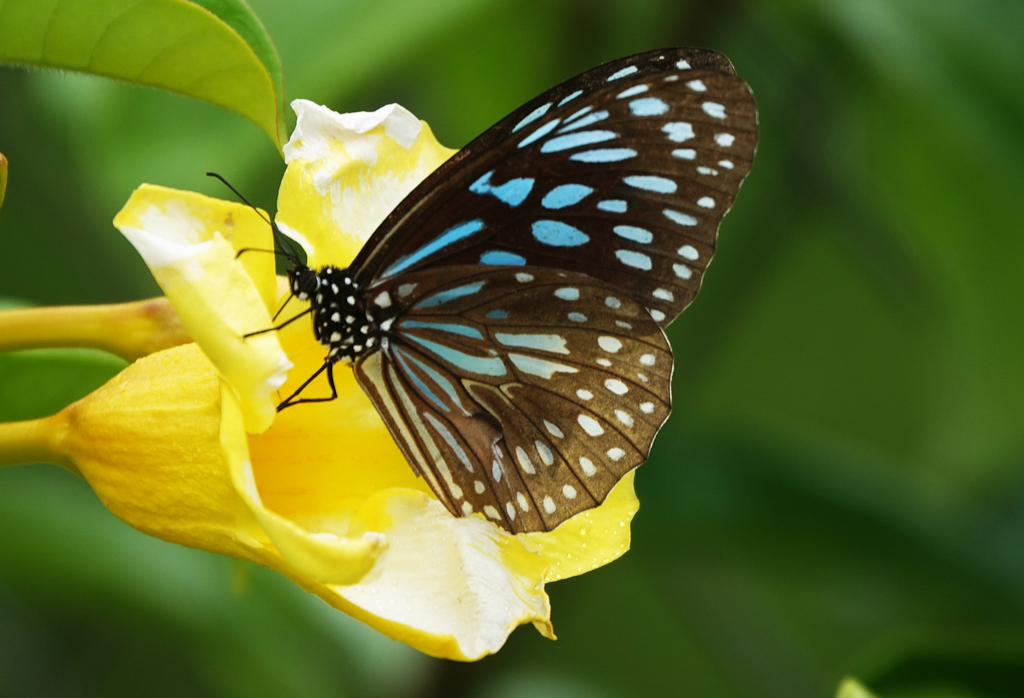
x=343, y=320
x=506, y=319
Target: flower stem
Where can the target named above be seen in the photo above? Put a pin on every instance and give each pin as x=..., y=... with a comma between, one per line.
x=34, y=441
x=129, y=330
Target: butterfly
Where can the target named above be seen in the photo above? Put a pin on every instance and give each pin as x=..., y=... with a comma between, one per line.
x=506, y=319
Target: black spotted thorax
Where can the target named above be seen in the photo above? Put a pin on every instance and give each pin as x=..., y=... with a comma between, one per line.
x=343, y=318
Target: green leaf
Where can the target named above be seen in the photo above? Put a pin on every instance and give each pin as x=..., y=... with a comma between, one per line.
x=851, y=688
x=216, y=51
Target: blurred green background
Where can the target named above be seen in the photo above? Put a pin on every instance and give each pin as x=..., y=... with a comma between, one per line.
x=840, y=489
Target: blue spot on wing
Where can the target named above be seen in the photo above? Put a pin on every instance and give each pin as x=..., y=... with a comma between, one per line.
x=412, y=375
x=571, y=97
x=501, y=258
x=612, y=205
x=581, y=112
x=648, y=106
x=659, y=185
x=532, y=116
x=449, y=295
x=565, y=195
x=512, y=192
x=631, y=232
x=448, y=237
x=540, y=133
x=574, y=140
x=440, y=380
x=497, y=315
x=586, y=121
x=604, y=155
x=559, y=234
x=454, y=328
x=483, y=365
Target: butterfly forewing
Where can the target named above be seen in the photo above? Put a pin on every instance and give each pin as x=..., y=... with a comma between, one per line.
x=622, y=173
x=520, y=393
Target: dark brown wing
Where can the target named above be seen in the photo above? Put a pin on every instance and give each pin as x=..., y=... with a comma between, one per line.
x=523, y=394
x=623, y=173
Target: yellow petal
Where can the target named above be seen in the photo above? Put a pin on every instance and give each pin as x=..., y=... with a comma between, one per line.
x=333, y=466
x=591, y=539
x=327, y=556
x=190, y=243
x=148, y=442
x=163, y=446
x=451, y=587
x=346, y=172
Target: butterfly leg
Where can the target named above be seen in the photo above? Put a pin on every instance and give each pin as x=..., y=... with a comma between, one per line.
x=290, y=400
x=278, y=327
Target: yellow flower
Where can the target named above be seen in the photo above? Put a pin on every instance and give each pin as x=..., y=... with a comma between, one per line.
x=185, y=444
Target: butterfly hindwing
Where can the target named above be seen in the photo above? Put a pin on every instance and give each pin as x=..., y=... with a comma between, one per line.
x=622, y=173
x=522, y=393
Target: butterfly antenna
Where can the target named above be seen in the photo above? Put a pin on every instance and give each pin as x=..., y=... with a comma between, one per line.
x=291, y=254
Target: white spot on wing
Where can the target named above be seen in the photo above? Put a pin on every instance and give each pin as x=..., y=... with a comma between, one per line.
x=724, y=139
x=590, y=425
x=634, y=259
x=609, y=344
x=539, y=367
x=524, y=461
x=523, y=504
x=714, y=109
x=616, y=453
x=569, y=491
x=624, y=417
x=583, y=394
x=549, y=505
x=588, y=466
x=544, y=452
x=635, y=90
x=616, y=386
x=682, y=271
x=680, y=218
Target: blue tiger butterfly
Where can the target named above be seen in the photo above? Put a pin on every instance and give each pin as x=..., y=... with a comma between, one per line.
x=506, y=319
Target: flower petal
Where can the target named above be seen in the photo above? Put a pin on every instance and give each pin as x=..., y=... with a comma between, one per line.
x=322, y=556
x=590, y=539
x=451, y=587
x=323, y=460
x=148, y=442
x=190, y=243
x=346, y=172
x=163, y=446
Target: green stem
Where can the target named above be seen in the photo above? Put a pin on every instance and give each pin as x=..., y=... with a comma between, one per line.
x=130, y=330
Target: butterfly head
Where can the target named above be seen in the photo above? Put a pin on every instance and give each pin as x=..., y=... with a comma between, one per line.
x=304, y=281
